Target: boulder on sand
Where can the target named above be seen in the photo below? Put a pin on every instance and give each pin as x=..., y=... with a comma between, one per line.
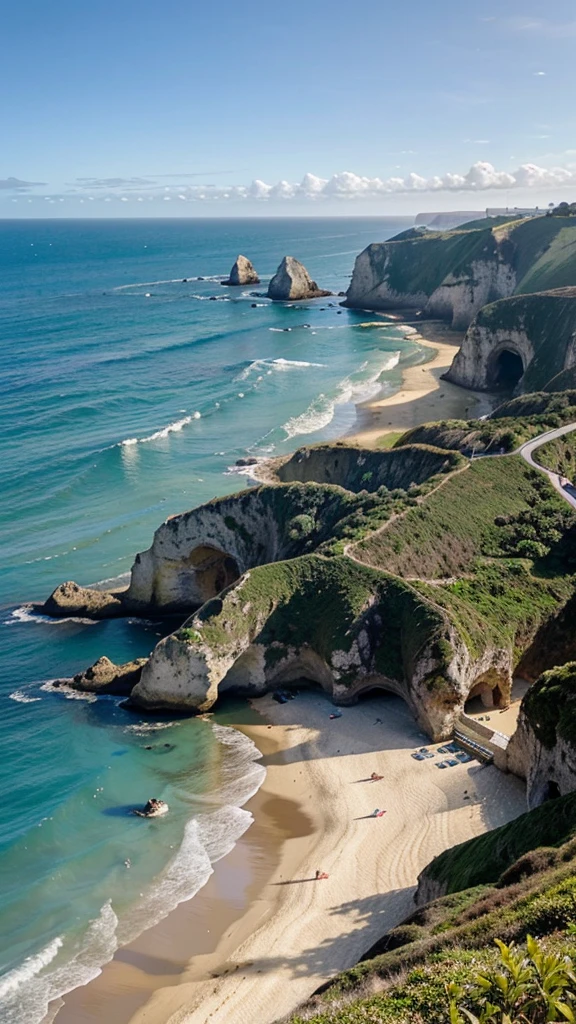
x=242, y=273
x=69, y=599
x=292, y=281
x=106, y=677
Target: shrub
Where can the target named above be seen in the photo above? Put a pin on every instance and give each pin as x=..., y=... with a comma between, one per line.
x=529, y=987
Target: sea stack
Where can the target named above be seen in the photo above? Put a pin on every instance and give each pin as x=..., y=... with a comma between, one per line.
x=292, y=281
x=242, y=272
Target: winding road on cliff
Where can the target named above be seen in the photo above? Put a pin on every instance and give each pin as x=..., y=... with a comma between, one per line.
x=567, y=491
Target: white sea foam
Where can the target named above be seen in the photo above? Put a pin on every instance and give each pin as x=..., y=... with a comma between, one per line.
x=173, y=280
x=22, y=698
x=31, y=987
x=26, y=614
x=65, y=964
x=27, y=970
x=63, y=690
x=321, y=410
x=171, y=428
x=280, y=364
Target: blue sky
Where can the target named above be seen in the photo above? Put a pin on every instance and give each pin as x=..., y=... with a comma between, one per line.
x=141, y=108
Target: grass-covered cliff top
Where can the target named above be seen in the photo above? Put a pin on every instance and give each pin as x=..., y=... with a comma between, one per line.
x=321, y=604
x=559, y=455
x=363, y=469
x=489, y=509
x=540, y=250
x=508, y=427
x=531, y=865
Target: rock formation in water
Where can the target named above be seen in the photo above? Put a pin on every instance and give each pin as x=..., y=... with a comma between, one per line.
x=69, y=599
x=452, y=275
x=520, y=343
x=292, y=281
x=242, y=273
x=106, y=677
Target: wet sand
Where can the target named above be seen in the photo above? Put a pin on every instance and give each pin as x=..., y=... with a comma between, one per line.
x=423, y=397
x=293, y=932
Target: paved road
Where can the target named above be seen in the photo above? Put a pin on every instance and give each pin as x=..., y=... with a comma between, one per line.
x=568, y=492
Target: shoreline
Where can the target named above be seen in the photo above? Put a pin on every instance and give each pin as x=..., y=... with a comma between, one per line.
x=422, y=396
x=288, y=934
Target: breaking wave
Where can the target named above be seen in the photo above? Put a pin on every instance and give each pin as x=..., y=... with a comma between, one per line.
x=172, y=428
x=65, y=963
x=321, y=410
x=280, y=364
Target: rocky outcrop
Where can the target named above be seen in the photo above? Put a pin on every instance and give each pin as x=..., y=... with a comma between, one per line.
x=360, y=469
x=69, y=600
x=521, y=342
x=331, y=621
x=242, y=273
x=106, y=677
x=292, y=281
x=454, y=274
x=420, y=273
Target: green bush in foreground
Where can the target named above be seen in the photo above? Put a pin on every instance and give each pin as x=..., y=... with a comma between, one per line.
x=527, y=987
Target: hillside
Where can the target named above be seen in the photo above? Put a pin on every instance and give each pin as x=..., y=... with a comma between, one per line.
x=453, y=274
x=509, y=426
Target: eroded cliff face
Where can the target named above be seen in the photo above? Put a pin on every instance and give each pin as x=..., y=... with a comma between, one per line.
x=475, y=365
x=531, y=337
x=279, y=624
x=549, y=771
x=388, y=276
x=460, y=296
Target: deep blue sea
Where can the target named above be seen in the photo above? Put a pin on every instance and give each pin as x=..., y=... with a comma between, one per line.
x=127, y=391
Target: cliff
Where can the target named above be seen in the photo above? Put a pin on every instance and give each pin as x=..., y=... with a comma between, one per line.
x=543, y=749
x=453, y=274
x=522, y=342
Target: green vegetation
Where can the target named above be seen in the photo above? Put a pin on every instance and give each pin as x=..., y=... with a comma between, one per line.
x=364, y=469
x=563, y=210
x=559, y=455
x=527, y=987
x=550, y=705
x=323, y=604
x=461, y=520
x=508, y=427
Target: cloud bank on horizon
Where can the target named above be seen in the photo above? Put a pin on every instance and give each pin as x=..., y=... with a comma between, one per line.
x=346, y=185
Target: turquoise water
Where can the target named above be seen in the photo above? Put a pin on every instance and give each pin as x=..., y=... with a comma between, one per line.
x=127, y=395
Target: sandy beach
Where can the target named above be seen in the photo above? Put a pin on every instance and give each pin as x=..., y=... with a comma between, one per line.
x=297, y=932
x=423, y=396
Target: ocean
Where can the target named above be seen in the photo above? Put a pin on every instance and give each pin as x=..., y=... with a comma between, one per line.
x=131, y=381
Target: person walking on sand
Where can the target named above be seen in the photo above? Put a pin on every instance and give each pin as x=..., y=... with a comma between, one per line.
x=320, y=874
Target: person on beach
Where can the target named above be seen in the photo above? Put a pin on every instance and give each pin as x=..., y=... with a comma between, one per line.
x=320, y=874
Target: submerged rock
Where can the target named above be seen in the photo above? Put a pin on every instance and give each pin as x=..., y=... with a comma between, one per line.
x=106, y=677
x=292, y=281
x=242, y=272
x=69, y=599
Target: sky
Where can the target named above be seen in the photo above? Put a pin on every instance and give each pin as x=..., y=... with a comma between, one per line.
x=129, y=108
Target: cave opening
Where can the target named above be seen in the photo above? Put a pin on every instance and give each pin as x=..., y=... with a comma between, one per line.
x=507, y=370
x=552, y=791
x=213, y=570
